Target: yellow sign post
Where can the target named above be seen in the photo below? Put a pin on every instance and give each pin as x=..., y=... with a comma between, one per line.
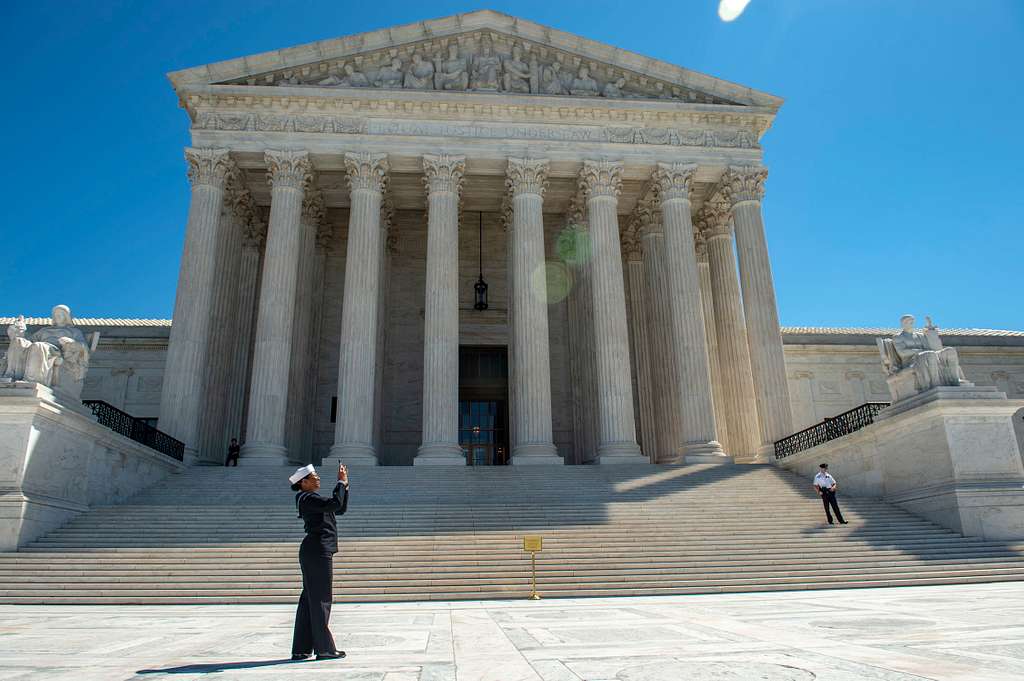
x=533, y=543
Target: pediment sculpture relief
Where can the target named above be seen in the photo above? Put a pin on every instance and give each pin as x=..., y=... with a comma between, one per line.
x=482, y=64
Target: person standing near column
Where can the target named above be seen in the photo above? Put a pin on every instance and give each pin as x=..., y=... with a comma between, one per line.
x=826, y=486
x=316, y=559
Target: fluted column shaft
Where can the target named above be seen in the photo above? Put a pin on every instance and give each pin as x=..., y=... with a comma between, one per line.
x=710, y=326
x=531, y=390
x=185, y=369
x=635, y=275
x=323, y=242
x=687, y=315
x=668, y=406
x=734, y=357
x=601, y=182
x=248, y=280
x=289, y=174
x=357, y=355
x=744, y=188
x=441, y=313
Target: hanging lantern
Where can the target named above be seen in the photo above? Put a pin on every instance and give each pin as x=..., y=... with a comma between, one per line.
x=481, y=286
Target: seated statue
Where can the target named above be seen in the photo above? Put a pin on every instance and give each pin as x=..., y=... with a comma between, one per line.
x=56, y=356
x=420, y=75
x=390, y=76
x=584, y=85
x=517, y=72
x=451, y=73
x=915, y=361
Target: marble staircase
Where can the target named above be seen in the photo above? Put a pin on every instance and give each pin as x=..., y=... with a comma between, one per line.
x=230, y=535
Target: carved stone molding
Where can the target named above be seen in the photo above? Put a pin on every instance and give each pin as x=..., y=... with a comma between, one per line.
x=213, y=167
x=743, y=183
x=290, y=169
x=601, y=178
x=443, y=173
x=674, y=180
x=527, y=176
x=313, y=209
x=367, y=171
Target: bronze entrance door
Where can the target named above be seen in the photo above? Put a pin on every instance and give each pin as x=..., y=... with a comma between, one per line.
x=483, y=405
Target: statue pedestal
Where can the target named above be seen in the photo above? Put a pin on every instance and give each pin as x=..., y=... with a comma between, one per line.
x=56, y=462
x=949, y=454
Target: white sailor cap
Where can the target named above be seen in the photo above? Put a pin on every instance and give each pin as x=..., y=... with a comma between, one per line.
x=300, y=473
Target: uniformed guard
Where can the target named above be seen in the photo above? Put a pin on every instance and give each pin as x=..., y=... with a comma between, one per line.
x=316, y=558
x=826, y=486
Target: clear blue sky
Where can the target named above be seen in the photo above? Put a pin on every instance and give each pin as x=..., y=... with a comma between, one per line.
x=896, y=162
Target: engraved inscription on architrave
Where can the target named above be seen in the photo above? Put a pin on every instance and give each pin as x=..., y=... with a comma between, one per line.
x=481, y=61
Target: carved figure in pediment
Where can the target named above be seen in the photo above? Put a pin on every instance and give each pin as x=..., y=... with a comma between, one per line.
x=486, y=66
x=613, y=89
x=517, y=72
x=451, y=73
x=352, y=78
x=390, y=75
x=551, y=79
x=420, y=75
x=583, y=85
x=290, y=81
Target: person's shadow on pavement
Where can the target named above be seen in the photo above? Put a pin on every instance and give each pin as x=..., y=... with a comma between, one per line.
x=214, y=667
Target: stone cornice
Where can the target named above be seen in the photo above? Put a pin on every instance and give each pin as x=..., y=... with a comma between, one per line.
x=601, y=178
x=290, y=169
x=212, y=167
x=443, y=173
x=367, y=171
x=527, y=176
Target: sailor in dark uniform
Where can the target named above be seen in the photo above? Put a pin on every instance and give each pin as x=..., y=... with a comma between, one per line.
x=316, y=558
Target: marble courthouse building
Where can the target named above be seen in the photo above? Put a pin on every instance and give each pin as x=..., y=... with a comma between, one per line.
x=356, y=201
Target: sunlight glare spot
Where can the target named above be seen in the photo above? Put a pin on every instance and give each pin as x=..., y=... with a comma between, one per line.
x=728, y=10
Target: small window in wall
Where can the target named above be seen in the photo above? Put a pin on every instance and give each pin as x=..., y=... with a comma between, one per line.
x=334, y=409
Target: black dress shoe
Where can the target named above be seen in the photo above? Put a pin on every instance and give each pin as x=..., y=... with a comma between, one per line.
x=845, y=522
x=336, y=655
x=301, y=656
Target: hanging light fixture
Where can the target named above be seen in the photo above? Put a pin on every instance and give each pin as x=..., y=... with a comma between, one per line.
x=481, y=286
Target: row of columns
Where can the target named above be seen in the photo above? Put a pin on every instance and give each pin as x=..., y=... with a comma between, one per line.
x=684, y=359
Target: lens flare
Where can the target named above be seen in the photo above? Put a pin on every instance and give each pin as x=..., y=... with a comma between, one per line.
x=551, y=283
x=730, y=10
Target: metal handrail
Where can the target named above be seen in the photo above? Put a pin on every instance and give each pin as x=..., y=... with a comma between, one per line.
x=829, y=429
x=137, y=429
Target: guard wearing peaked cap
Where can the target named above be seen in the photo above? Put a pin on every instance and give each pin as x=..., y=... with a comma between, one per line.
x=316, y=558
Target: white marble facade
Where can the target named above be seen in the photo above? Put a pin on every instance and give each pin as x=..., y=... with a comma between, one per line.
x=332, y=247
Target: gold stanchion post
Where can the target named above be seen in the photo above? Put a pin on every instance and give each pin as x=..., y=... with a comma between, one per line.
x=534, y=544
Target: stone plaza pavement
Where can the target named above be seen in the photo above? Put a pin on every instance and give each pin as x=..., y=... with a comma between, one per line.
x=963, y=632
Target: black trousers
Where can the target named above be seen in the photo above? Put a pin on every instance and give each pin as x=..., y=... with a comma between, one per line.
x=314, y=611
x=230, y=459
x=828, y=498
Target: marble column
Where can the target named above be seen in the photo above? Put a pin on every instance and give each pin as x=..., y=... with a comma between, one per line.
x=185, y=369
x=707, y=302
x=743, y=187
x=734, y=357
x=635, y=276
x=526, y=181
x=213, y=446
x=357, y=353
x=687, y=315
x=601, y=182
x=668, y=406
x=303, y=343
x=443, y=178
x=254, y=233
x=574, y=246
x=324, y=240
x=290, y=173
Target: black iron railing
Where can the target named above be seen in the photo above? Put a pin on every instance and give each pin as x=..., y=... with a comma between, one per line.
x=829, y=429
x=137, y=429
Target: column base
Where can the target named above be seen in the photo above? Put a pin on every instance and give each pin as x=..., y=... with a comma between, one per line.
x=540, y=453
x=705, y=452
x=439, y=454
x=619, y=453
x=351, y=454
x=262, y=454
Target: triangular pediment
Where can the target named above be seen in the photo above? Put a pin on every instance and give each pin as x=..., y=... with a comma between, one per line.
x=482, y=51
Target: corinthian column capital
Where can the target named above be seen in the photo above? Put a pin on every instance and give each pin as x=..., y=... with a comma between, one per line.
x=700, y=246
x=715, y=220
x=367, y=171
x=527, y=176
x=443, y=173
x=630, y=241
x=743, y=183
x=242, y=205
x=313, y=209
x=213, y=167
x=674, y=180
x=601, y=178
x=254, y=232
x=288, y=169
